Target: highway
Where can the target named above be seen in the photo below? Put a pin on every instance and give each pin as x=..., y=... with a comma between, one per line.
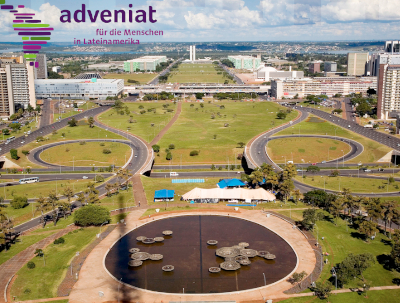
x=46, y=113
x=165, y=71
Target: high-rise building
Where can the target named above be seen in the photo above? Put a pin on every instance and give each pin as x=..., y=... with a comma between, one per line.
x=315, y=67
x=41, y=71
x=330, y=66
x=357, y=64
x=392, y=46
x=17, y=85
x=245, y=62
x=192, y=52
x=146, y=63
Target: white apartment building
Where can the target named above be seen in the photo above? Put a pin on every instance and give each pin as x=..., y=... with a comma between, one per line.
x=79, y=88
x=329, y=86
x=268, y=73
x=17, y=85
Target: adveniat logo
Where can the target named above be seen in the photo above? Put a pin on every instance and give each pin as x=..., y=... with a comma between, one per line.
x=32, y=31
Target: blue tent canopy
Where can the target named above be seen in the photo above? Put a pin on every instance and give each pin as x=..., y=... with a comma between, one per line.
x=164, y=194
x=230, y=183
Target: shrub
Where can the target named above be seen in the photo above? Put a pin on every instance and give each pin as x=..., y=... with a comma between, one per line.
x=19, y=202
x=156, y=148
x=27, y=291
x=31, y=265
x=171, y=146
x=194, y=153
x=102, y=144
x=142, y=111
x=106, y=151
x=60, y=240
x=14, y=154
x=25, y=152
x=169, y=156
x=82, y=142
x=91, y=215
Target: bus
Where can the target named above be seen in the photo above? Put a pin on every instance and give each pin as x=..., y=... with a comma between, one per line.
x=11, y=139
x=29, y=180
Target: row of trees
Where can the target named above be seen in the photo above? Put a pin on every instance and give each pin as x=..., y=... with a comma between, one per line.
x=281, y=182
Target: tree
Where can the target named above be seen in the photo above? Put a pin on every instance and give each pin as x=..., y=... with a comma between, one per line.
x=313, y=169
x=363, y=108
x=323, y=291
x=25, y=152
x=389, y=209
x=334, y=173
x=72, y=122
x=256, y=177
x=199, y=95
x=15, y=126
x=286, y=187
x=91, y=215
x=6, y=132
x=19, y=202
x=281, y=115
x=156, y=148
x=353, y=266
x=374, y=209
x=241, y=144
x=39, y=252
x=310, y=217
x=68, y=192
x=335, y=207
x=92, y=194
x=41, y=206
x=171, y=146
x=91, y=122
x=368, y=228
x=297, y=195
x=14, y=154
x=395, y=255
x=298, y=277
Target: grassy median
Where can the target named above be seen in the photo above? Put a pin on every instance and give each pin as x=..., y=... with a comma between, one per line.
x=197, y=73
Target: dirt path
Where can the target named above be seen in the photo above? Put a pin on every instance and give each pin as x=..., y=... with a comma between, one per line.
x=13, y=265
x=168, y=126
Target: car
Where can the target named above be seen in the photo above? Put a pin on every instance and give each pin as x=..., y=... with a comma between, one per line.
x=367, y=170
x=22, y=142
x=259, y=152
x=299, y=169
x=84, y=177
x=380, y=169
x=323, y=162
x=135, y=156
x=349, y=126
x=313, y=163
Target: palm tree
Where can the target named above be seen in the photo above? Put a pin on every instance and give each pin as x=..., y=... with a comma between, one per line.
x=68, y=193
x=388, y=211
x=374, y=208
x=109, y=187
x=41, y=206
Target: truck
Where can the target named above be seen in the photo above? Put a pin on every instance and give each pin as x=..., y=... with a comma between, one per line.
x=368, y=126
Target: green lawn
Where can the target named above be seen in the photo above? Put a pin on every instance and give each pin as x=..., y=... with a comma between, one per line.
x=69, y=111
x=373, y=151
x=306, y=150
x=197, y=73
x=44, y=280
x=34, y=190
x=341, y=240
x=88, y=154
x=143, y=78
x=320, y=107
x=141, y=123
x=374, y=296
x=82, y=131
x=356, y=185
x=196, y=130
x=22, y=243
x=123, y=199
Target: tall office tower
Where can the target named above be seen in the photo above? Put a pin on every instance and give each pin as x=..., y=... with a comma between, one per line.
x=20, y=84
x=388, y=84
x=191, y=52
x=357, y=64
x=6, y=98
x=392, y=46
x=315, y=67
x=194, y=52
x=41, y=71
x=330, y=66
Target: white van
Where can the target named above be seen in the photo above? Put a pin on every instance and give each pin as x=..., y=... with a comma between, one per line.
x=289, y=162
x=173, y=174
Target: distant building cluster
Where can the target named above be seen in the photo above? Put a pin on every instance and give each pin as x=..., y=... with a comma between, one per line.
x=329, y=86
x=245, y=62
x=268, y=73
x=145, y=63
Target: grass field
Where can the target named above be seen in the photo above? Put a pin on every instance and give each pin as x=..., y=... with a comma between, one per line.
x=375, y=296
x=306, y=150
x=197, y=73
x=195, y=130
x=88, y=154
x=142, y=127
x=69, y=111
x=143, y=78
x=356, y=185
x=34, y=190
x=43, y=280
x=373, y=151
x=123, y=199
x=341, y=240
x=83, y=131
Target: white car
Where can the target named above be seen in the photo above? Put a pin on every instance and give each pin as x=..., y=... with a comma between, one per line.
x=84, y=177
x=22, y=142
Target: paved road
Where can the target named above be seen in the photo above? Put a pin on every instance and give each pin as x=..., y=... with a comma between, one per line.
x=382, y=138
x=165, y=71
x=349, y=110
x=46, y=112
x=34, y=156
x=236, y=78
x=46, y=130
x=200, y=174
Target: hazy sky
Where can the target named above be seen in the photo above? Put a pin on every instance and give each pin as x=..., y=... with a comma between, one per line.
x=228, y=20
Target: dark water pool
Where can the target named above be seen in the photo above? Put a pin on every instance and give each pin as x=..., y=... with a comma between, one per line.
x=188, y=252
